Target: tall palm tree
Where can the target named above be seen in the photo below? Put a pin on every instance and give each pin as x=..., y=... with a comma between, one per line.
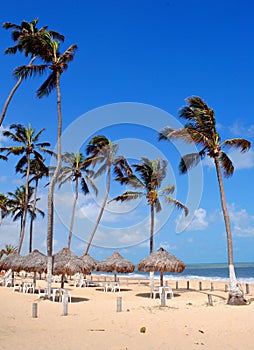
x=201, y=130
x=101, y=151
x=56, y=63
x=28, y=146
x=18, y=205
x=7, y=250
x=29, y=40
x=76, y=166
x=149, y=180
x=38, y=170
x=4, y=206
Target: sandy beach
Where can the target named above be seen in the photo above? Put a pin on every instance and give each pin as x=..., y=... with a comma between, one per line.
x=187, y=321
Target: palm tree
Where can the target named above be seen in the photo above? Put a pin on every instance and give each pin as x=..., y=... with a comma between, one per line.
x=201, y=130
x=29, y=40
x=76, y=165
x=56, y=63
x=18, y=205
x=27, y=140
x=8, y=249
x=151, y=175
x=102, y=151
x=4, y=206
x=38, y=170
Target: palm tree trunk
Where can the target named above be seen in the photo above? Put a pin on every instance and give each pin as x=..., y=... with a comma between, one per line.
x=14, y=89
x=235, y=294
x=73, y=213
x=152, y=228
x=23, y=222
x=52, y=187
x=32, y=218
x=101, y=211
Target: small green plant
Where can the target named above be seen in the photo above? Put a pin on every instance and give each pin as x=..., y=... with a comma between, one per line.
x=142, y=329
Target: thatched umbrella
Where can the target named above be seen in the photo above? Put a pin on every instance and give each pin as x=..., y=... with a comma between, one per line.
x=88, y=260
x=66, y=262
x=35, y=262
x=115, y=263
x=12, y=261
x=161, y=261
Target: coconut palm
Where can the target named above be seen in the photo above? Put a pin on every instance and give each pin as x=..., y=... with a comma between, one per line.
x=4, y=206
x=101, y=151
x=38, y=170
x=18, y=206
x=29, y=40
x=201, y=130
x=56, y=63
x=149, y=180
x=8, y=249
x=28, y=146
x=76, y=166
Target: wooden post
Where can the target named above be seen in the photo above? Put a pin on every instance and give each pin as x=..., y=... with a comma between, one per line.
x=212, y=286
x=226, y=288
x=247, y=288
x=163, y=298
x=200, y=286
x=176, y=284
x=166, y=283
x=188, y=284
x=210, y=300
x=65, y=304
x=118, y=304
x=34, y=310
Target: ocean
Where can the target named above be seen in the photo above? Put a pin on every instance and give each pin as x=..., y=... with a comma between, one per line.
x=215, y=272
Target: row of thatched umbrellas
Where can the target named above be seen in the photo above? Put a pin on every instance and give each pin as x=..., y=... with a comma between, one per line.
x=66, y=262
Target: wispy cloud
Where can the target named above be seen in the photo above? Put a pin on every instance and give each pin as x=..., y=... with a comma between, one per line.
x=239, y=130
x=242, y=222
x=196, y=221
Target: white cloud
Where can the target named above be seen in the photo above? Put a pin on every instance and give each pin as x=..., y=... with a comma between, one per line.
x=242, y=222
x=242, y=160
x=197, y=221
x=239, y=130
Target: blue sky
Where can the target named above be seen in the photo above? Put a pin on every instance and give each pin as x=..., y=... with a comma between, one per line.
x=136, y=63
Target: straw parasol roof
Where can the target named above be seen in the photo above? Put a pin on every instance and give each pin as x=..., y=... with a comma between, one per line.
x=90, y=261
x=12, y=261
x=161, y=261
x=115, y=263
x=35, y=262
x=66, y=262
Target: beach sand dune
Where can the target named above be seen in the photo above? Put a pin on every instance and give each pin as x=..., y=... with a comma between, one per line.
x=187, y=322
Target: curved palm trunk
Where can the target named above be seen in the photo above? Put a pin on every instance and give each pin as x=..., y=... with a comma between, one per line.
x=23, y=221
x=235, y=294
x=52, y=187
x=101, y=212
x=32, y=218
x=14, y=89
x=73, y=213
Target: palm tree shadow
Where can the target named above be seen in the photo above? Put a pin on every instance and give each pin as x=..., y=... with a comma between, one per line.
x=148, y=295
x=78, y=299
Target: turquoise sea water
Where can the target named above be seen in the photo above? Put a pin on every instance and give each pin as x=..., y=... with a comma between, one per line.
x=216, y=272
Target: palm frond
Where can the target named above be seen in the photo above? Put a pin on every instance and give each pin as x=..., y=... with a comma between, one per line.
x=46, y=88
x=226, y=164
x=127, y=196
x=190, y=160
x=84, y=186
x=168, y=190
x=157, y=205
x=177, y=204
x=243, y=144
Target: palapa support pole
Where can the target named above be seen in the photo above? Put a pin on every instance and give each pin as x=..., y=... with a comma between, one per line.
x=212, y=286
x=226, y=288
x=118, y=304
x=188, y=284
x=34, y=310
x=163, y=297
x=176, y=284
x=200, y=286
x=210, y=299
x=65, y=304
x=247, y=289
